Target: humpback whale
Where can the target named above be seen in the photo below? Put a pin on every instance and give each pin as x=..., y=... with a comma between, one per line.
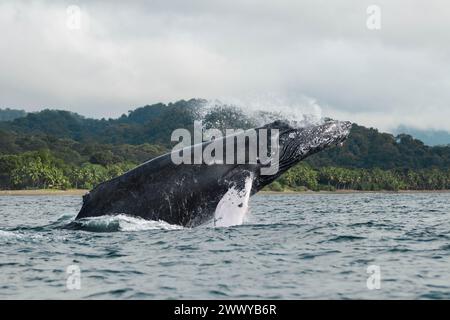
x=191, y=194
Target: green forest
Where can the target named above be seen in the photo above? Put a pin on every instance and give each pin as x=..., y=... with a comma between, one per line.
x=61, y=150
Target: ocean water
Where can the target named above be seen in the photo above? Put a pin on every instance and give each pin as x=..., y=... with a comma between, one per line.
x=299, y=246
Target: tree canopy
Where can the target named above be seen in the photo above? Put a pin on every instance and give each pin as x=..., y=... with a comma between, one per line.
x=56, y=148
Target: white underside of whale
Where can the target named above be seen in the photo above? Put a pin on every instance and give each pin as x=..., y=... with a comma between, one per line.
x=232, y=209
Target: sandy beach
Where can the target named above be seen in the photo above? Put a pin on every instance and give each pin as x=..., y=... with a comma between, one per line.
x=81, y=192
x=352, y=191
x=43, y=192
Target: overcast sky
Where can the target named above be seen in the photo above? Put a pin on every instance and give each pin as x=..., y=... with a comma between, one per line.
x=315, y=52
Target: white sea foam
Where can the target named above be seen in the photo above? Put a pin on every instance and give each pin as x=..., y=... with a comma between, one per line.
x=123, y=222
x=128, y=223
x=8, y=234
x=28, y=236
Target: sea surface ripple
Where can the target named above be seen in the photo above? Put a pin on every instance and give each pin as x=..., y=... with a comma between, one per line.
x=292, y=246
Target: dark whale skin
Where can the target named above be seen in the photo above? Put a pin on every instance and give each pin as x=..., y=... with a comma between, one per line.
x=188, y=194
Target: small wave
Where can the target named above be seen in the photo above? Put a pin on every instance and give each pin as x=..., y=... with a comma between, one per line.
x=61, y=222
x=345, y=238
x=8, y=234
x=119, y=222
x=27, y=235
x=370, y=224
x=66, y=217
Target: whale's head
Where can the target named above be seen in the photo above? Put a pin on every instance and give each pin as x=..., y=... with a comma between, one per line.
x=296, y=144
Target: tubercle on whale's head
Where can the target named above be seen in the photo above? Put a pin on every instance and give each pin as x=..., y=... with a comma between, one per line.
x=306, y=141
x=296, y=144
x=323, y=135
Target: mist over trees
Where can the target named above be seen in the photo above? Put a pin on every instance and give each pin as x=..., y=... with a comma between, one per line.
x=11, y=114
x=430, y=137
x=61, y=149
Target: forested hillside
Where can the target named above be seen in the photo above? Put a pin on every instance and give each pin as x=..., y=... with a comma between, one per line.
x=60, y=149
x=149, y=124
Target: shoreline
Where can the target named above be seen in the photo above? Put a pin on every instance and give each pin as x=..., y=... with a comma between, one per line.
x=355, y=191
x=81, y=192
x=44, y=192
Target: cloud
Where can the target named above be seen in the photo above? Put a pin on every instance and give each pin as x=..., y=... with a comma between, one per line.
x=131, y=54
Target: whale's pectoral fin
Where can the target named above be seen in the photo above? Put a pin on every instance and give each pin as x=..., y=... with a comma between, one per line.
x=232, y=208
x=238, y=179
